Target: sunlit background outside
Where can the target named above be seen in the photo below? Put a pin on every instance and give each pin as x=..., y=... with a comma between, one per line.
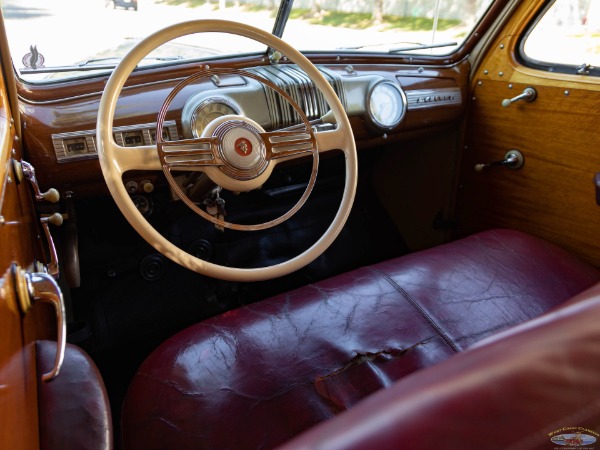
x=69, y=32
x=568, y=34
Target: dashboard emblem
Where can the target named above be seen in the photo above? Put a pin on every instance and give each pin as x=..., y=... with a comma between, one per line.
x=243, y=146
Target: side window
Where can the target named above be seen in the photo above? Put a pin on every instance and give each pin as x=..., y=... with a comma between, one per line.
x=565, y=38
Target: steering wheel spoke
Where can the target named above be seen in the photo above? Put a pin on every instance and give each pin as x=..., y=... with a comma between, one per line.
x=331, y=140
x=135, y=158
x=288, y=144
x=189, y=154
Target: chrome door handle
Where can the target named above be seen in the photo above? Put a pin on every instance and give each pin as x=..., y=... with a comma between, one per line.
x=39, y=286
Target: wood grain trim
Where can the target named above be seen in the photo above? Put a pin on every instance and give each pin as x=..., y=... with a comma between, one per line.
x=553, y=195
x=501, y=62
x=140, y=104
x=18, y=384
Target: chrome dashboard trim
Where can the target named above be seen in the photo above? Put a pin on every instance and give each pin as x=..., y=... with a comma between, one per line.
x=428, y=98
x=87, y=139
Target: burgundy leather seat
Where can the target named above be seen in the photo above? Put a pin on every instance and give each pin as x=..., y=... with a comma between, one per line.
x=74, y=408
x=531, y=387
x=260, y=375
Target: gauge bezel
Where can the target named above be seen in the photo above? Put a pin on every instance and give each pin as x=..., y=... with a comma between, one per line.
x=212, y=101
x=402, y=101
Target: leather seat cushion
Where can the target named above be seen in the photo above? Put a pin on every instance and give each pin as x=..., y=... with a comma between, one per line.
x=259, y=375
x=74, y=407
x=518, y=389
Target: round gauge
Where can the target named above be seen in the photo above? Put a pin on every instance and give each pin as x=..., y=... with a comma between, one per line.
x=209, y=110
x=386, y=104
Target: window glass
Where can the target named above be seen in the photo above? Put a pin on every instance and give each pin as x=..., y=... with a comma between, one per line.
x=567, y=34
x=57, y=39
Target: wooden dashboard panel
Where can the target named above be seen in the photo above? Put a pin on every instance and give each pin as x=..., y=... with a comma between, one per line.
x=140, y=103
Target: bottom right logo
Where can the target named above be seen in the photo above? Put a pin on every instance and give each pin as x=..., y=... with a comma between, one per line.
x=578, y=437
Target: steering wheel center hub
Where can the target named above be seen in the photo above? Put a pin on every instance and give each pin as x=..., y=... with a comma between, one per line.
x=242, y=149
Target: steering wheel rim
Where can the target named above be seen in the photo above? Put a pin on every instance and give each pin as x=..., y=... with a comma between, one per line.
x=116, y=160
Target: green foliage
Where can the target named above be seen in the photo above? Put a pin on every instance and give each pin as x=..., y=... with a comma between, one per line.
x=359, y=21
x=213, y=3
x=190, y=3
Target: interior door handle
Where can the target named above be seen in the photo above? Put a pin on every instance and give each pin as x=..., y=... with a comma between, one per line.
x=42, y=287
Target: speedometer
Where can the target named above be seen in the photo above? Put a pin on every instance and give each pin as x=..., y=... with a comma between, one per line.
x=209, y=110
x=386, y=104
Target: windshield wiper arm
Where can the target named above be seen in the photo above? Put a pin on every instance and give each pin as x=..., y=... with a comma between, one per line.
x=421, y=47
x=379, y=44
x=413, y=46
x=92, y=61
x=89, y=65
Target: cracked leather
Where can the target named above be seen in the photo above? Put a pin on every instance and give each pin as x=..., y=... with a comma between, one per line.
x=514, y=391
x=257, y=376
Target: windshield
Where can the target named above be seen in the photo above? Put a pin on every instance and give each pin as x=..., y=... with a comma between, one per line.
x=60, y=39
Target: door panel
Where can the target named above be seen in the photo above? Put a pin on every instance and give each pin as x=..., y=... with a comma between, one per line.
x=553, y=194
x=18, y=389
x=19, y=246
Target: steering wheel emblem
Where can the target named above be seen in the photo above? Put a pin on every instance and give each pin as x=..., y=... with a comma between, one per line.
x=243, y=146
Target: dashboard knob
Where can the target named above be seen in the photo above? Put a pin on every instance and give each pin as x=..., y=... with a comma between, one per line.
x=51, y=195
x=147, y=186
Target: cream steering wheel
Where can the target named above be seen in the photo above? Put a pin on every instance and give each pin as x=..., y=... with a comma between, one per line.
x=219, y=147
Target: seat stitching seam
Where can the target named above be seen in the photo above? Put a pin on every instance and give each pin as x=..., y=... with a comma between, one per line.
x=418, y=308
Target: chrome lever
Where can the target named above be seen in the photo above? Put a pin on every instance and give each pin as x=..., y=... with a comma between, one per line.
x=529, y=94
x=513, y=159
x=39, y=286
x=26, y=170
x=55, y=219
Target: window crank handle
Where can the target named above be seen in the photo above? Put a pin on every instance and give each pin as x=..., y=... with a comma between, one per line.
x=529, y=94
x=513, y=159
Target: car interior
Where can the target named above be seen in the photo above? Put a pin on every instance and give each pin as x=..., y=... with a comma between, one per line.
x=260, y=243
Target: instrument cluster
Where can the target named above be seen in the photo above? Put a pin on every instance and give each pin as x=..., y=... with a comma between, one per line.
x=381, y=101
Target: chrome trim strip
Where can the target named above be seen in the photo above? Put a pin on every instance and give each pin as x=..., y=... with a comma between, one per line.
x=89, y=136
x=430, y=98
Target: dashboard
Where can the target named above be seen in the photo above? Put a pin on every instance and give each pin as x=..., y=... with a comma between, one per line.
x=384, y=103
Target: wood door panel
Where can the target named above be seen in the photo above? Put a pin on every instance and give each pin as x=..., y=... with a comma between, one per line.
x=553, y=195
x=20, y=246
x=18, y=384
